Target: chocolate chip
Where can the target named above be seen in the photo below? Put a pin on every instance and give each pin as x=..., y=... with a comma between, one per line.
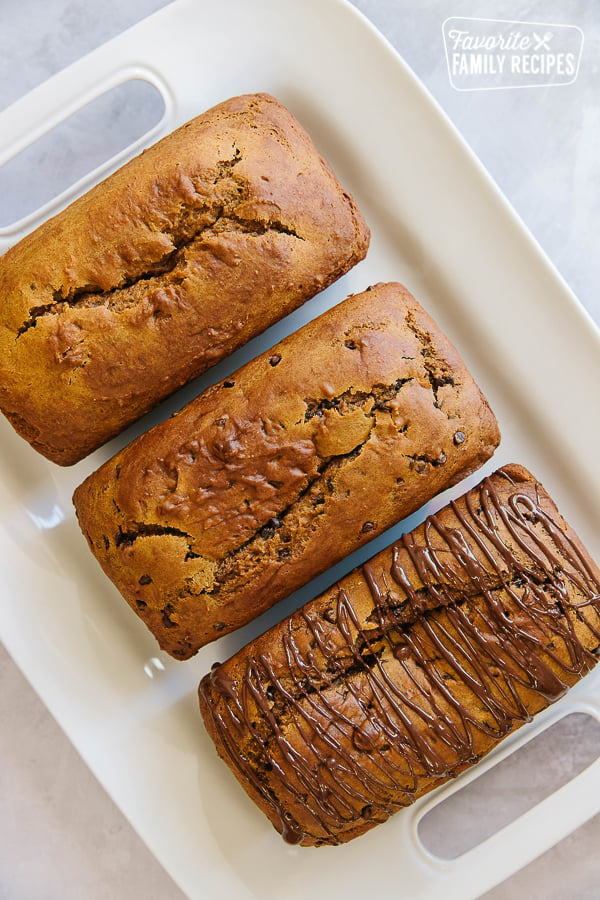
x=367, y=527
x=229, y=384
x=145, y=579
x=438, y=381
x=459, y=437
x=268, y=530
x=167, y=620
x=141, y=604
x=275, y=359
x=351, y=345
x=330, y=615
x=284, y=553
x=219, y=626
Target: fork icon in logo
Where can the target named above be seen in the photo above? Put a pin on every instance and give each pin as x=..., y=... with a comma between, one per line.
x=542, y=42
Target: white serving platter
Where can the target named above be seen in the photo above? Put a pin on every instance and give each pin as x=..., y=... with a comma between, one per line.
x=439, y=225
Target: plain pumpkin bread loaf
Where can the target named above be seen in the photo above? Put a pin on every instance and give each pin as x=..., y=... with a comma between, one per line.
x=192, y=248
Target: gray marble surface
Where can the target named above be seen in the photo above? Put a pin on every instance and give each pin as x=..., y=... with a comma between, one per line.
x=61, y=838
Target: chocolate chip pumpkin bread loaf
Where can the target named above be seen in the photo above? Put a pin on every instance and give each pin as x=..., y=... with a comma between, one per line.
x=412, y=667
x=173, y=262
x=279, y=471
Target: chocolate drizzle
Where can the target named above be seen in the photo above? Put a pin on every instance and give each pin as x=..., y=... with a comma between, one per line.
x=444, y=643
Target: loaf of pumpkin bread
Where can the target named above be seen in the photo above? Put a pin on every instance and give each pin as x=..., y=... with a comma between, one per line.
x=180, y=257
x=279, y=471
x=412, y=667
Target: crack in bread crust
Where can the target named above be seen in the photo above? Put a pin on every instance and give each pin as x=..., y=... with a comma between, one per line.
x=221, y=220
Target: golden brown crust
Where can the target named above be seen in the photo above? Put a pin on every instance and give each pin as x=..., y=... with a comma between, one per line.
x=281, y=470
x=412, y=667
x=203, y=241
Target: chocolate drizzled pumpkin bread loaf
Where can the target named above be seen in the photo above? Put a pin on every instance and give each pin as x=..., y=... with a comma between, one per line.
x=412, y=667
x=173, y=262
x=281, y=470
